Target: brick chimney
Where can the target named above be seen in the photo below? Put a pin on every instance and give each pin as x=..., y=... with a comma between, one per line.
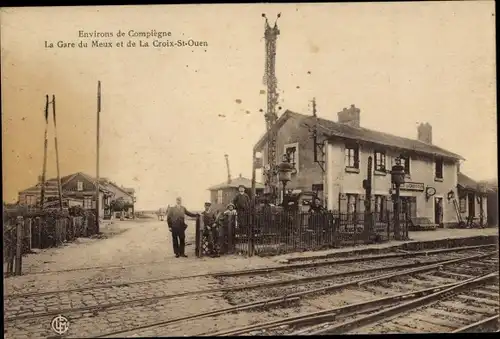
x=425, y=133
x=349, y=116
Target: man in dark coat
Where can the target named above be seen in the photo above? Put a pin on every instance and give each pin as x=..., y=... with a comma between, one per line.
x=177, y=226
x=316, y=206
x=241, y=201
x=242, y=205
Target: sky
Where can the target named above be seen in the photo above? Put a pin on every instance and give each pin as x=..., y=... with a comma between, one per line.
x=170, y=114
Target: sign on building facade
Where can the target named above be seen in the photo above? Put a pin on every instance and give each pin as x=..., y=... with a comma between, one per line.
x=412, y=186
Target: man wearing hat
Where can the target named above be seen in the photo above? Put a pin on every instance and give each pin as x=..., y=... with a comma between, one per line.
x=210, y=229
x=241, y=201
x=177, y=226
x=242, y=205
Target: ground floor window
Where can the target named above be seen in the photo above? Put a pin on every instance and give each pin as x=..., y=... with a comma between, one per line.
x=87, y=202
x=352, y=203
x=349, y=206
x=380, y=207
x=409, y=206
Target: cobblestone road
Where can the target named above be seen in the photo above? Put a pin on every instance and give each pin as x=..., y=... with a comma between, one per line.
x=140, y=250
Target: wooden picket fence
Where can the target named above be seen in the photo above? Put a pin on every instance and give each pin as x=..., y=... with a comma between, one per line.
x=22, y=233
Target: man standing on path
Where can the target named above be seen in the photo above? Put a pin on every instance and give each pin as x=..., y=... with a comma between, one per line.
x=177, y=226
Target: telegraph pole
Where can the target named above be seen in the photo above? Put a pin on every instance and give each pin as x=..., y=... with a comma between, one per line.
x=97, y=155
x=59, y=188
x=270, y=80
x=367, y=185
x=45, y=146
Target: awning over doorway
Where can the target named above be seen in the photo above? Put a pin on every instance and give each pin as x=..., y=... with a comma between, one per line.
x=465, y=183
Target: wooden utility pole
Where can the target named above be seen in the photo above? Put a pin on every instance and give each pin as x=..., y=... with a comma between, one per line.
x=254, y=175
x=97, y=155
x=367, y=185
x=19, y=245
x=254, y=204
x=45, y=146
x=228, y=169
x=59, y=188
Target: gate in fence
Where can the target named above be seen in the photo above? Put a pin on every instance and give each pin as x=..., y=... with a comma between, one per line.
x=272, y=233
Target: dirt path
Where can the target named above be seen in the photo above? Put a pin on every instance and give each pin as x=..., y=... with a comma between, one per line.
x=136, y=250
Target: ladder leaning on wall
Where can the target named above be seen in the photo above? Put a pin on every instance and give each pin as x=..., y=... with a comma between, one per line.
x=457, y=210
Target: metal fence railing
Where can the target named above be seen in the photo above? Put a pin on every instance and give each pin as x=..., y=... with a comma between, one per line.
x=284, y=232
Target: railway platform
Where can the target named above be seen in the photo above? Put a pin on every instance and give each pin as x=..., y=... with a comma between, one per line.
x=415, y=237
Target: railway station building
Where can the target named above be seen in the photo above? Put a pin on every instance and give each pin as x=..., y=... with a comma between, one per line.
x=432, y=175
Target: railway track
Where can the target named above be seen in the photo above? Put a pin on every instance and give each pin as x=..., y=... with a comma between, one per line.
x=462, y=308
x=281, y=290
x=288, y=300
x=91, y=268
x=98, y=297
x=440, y=308
x=293, y=260
x=281, y=268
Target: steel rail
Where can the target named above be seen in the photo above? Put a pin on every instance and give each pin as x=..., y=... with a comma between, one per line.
x=353, y=259
x=235, y=288
x=356, y=323
x=332, y=313
x=302, y=294
x=261, y=304
x=478, y=324
x=249, y=271
x=116, y=267
x=394, y=248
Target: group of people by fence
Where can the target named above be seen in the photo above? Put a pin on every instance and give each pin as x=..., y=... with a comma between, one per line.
x=243, y=227
x=216, y=226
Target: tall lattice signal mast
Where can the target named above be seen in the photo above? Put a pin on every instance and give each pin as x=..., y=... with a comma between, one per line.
x=271, y=35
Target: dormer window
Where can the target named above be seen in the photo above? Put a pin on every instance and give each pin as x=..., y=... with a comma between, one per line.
x=79, y=185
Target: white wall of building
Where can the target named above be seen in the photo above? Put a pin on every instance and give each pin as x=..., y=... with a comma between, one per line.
x=422, y=170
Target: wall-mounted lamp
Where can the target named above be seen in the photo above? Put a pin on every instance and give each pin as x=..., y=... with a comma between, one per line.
x=398, y=173
x=429, y=192
x=450, y=195
x=285, y=169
